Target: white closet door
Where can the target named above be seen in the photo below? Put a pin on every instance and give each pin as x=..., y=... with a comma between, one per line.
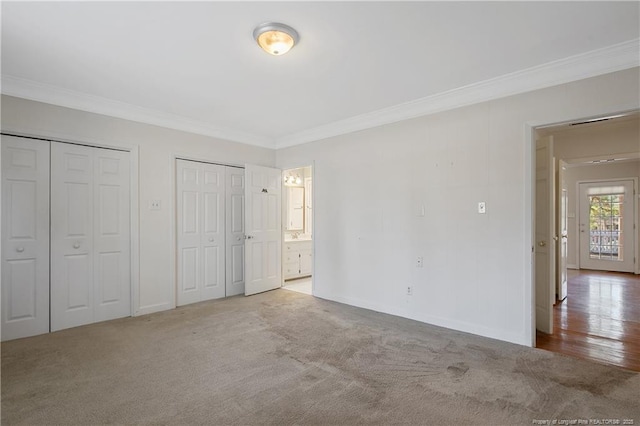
x=90, y=238
x=201, y=242
x=213, y=235
x=25, y=237
x=71, y=235
x=235, y=231
x=263, y=248
x=111, y=243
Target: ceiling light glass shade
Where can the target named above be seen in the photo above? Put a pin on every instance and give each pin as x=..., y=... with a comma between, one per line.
x=276, y=39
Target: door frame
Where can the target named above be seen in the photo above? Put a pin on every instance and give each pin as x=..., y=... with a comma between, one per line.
x=173, y=213
x=530, y=128
x=313, y=223
x=636, y=266
x=134, y=207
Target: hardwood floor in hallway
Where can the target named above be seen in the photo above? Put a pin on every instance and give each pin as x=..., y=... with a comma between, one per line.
x=599, y=320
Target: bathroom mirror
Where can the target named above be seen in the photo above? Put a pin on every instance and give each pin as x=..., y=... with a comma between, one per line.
x=295, y=210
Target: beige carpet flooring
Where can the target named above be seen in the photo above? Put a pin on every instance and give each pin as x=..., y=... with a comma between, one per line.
x=285, y=358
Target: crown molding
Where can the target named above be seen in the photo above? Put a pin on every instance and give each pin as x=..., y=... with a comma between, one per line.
x=610, y=59
x=40, y=92
x=590, y=64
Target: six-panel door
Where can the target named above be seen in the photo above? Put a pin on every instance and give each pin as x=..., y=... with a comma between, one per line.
x=201, y=236
x=235, y=230
x=25, y=237
x=90, y=235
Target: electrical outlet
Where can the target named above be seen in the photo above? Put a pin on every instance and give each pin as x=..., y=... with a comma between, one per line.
x=409, y=290
x=419, y=262
x=155, y=205
x=482, y=207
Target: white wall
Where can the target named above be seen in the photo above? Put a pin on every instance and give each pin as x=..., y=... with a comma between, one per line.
x=369, y=185
x=157, y=149
x=575, y=174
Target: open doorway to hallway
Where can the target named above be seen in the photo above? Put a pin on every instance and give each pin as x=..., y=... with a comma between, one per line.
x=587, y=218
x=297, y=247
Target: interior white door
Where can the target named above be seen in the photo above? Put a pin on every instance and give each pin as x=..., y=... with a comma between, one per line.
x=25, y=237
x=112, y=230
x=201, y=231
x=90, y=237
x=234, y=231
x=263, y=222
x=71, y=235
x=562, y=224
x=607, y=225
x=545, y=224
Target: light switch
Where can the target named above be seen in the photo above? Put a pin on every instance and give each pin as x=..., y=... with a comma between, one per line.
x=155, y=205
x=482, y=207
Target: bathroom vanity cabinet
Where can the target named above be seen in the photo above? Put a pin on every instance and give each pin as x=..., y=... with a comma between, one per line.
x=297, y=259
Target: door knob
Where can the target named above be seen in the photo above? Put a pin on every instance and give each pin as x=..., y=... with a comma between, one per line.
x=555, y=238
x=20, y=249
x=76, y=246
x=238, y=238
x=211, y=239
x=248, y=237
x=542, y=243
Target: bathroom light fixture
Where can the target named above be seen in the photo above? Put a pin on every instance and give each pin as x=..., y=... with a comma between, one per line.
x=274, y=38
x=292, y=180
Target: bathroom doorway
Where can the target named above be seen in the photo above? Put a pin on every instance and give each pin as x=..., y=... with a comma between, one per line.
x=297, y=239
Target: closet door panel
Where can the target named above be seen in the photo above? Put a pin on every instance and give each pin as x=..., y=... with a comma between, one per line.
x=235, y=231
x=72, y=229
x=201, y=231
x=189, y=253
x=25, y=237
x=213, y=232
x=90, y=235
x=112, y=253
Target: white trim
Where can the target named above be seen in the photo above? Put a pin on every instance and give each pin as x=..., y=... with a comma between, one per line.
x=529, y=234
x=41, y=92
x=590, y=64
x=134, y=206
x=572, y=266
x=150, y=309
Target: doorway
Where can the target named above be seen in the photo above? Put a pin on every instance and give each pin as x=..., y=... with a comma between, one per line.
x=606, y=240
x=297, y=235
x=593, y=205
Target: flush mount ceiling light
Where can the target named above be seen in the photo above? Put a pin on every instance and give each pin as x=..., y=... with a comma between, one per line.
x=276, y=39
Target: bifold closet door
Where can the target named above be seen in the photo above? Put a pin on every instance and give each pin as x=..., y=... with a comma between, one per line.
x=201, y=231
x=25, y=237
x=90, y=235
x=235, y=230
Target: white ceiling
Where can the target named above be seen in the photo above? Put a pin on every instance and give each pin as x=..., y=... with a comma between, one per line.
x=195, y=66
